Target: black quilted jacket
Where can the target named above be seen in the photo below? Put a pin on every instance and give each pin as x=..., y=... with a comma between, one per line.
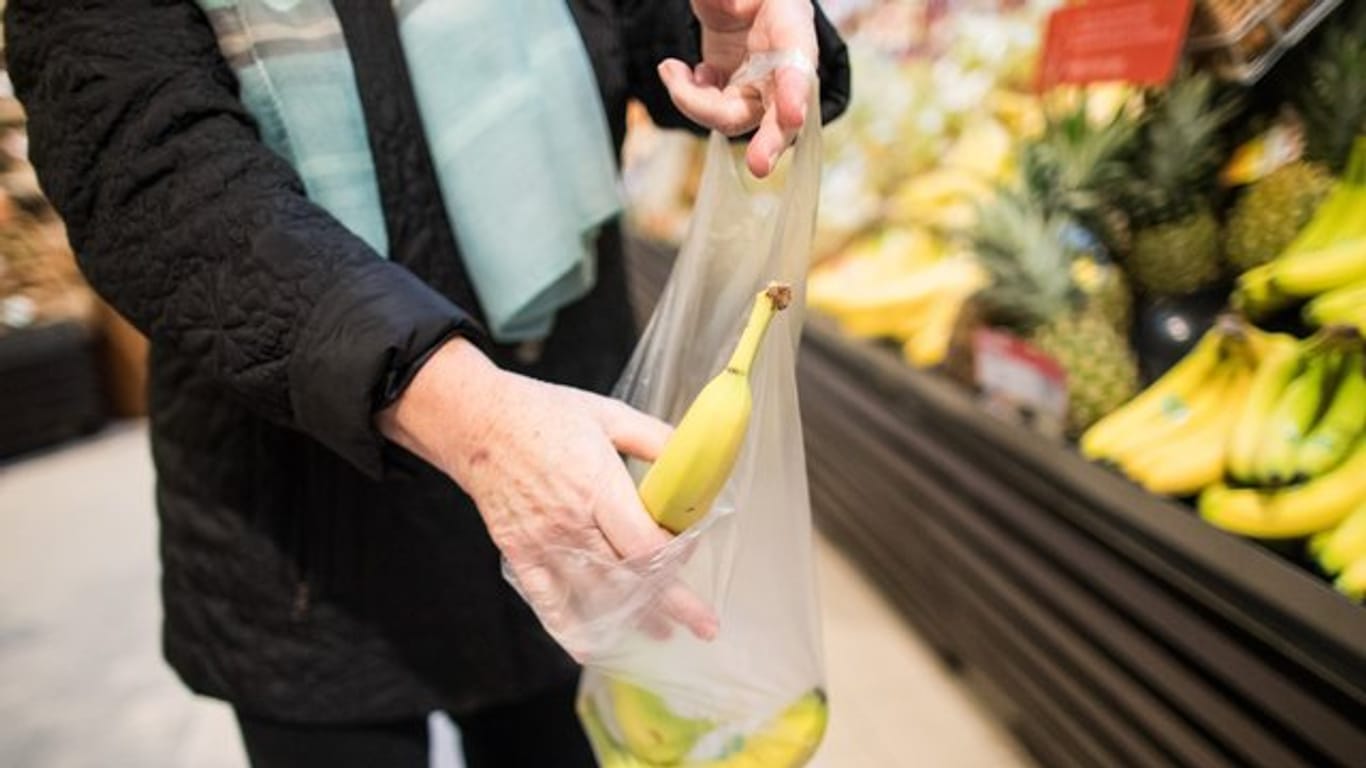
x=311, y=572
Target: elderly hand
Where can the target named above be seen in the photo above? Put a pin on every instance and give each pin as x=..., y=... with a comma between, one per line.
x=541, y=463
x=732, y=30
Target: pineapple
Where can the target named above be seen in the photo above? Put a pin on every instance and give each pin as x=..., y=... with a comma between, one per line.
x=1106, y=290
x=1329, y=112
x=1175, y=247
x=1074, y=167
x=1035, y=294
x=1333, y=104
x=1272, y=211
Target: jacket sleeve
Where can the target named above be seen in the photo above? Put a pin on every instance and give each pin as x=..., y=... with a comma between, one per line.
x=193, y=229
x=654, y=30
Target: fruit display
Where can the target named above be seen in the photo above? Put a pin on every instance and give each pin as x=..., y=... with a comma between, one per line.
x=643, y=732
x=1174, y=437
x=1201, y=237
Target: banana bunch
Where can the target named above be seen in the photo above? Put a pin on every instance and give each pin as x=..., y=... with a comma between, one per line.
x=686, y=477
x=1339, y=306
x=1328, y=255
x=1174, y=437
x=900, y=285
x=652, y=736
x=1341, y=552
x=1297, y=458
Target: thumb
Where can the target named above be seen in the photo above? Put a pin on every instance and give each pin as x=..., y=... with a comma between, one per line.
x=632, y=432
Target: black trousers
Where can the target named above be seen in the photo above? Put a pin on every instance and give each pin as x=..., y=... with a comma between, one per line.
x=538, y=733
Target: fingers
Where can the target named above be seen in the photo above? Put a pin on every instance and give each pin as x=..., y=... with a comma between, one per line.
x=632, y=432
x=633, y=534
x=622, y=518
x=704, y=100
x=781, y=122
x=685, y=608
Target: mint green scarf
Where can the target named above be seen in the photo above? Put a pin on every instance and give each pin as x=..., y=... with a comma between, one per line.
x=511, y=113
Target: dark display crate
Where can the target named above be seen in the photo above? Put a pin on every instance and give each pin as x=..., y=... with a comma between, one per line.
x=1115, y=628
x=49, y=387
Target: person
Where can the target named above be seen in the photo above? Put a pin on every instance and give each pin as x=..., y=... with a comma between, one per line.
x=346, y=445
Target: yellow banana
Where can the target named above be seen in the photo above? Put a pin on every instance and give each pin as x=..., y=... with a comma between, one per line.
x=1296, y=410
x=1303, y=510
x=649, y=729
x=1277, y=366
x=1255, y=295
x=610, y=754
x=1313, y=272
x=1337, y=548
x=1335, y=305
x=679, y=488
x=1178, y=418
x=788, y=741
x=1341, y=424
x=1170, y=394
x=929, y=344
x=1197, y=458
x=896, y=307
x=1352, y=581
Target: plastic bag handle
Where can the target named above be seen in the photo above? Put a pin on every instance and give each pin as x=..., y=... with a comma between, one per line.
x=758, y=66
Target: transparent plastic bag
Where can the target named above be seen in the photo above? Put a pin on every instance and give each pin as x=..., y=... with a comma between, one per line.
x=751, y=696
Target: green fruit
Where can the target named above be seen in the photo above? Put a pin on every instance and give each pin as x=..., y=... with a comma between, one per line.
x=1035, y=293
x=1176, y=258
x=1271, y=212
x=1102, y=374
x=1175, y=247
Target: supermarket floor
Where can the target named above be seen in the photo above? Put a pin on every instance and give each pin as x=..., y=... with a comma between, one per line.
x=82, y=683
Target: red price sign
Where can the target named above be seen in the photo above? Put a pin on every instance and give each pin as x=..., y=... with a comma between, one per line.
x=1133, y=41
x=1015, y=378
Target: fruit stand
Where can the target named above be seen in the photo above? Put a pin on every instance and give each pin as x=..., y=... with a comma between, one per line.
x=1111, y=627
x=1083, y=383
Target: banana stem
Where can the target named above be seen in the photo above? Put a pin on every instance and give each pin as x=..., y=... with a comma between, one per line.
x=770, y=301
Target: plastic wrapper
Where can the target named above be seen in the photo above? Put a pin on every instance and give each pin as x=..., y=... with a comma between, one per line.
x=753, y=694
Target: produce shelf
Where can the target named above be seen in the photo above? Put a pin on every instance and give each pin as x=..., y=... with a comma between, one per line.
x=1114, y=627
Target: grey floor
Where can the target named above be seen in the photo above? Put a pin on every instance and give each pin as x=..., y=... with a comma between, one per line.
x=82, y=683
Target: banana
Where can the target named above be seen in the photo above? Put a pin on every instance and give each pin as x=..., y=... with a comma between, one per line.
x=929, y=344
x=679, y=488
x=1279, y=361
x=1342, y=423
x=896, y=306
x=1177, y=419
x=1313, y=272
x=1303, y=510
x=649, y=729
x=1335, y=549
x=1170, y=394
x=1255, y=295
x=1297, y=407
x=1352, y=581
x=1336, y=305
x=1195, y=459
x=788, y=741
x=610, y=754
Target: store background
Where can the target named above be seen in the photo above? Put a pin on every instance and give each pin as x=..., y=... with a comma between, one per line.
x=988, y=594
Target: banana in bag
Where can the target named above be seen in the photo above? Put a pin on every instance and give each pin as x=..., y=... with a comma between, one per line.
x=718, y=360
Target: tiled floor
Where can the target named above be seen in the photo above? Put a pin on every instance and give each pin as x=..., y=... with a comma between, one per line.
x=82, y=684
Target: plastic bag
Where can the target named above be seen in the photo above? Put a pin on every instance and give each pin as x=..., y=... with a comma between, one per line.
x=753, y=694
